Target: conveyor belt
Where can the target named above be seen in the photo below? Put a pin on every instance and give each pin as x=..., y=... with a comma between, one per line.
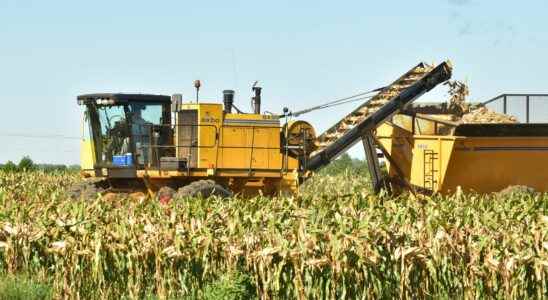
x=373, y=113
x=368, y=108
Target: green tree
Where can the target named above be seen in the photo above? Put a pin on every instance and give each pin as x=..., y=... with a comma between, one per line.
x=9, y=166
x=339, y=165
x=26, y=164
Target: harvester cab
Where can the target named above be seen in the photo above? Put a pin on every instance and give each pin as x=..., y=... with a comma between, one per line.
x=120, y=126
x=159, y=142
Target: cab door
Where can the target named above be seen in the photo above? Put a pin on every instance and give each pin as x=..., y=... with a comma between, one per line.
x=187, y=137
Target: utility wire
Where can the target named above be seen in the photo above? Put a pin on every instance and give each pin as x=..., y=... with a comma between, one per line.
x=341, y=101
x=348, y=101
x=336, y=102
x=298, y=113
x=40, y=136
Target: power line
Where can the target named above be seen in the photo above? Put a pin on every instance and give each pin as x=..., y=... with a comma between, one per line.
x=40, y=136
x=356, y=97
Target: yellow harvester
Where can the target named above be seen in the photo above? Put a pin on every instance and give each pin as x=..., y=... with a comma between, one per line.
x=149, y=142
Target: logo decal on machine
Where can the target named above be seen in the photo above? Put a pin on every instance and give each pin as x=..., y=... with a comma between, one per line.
x=209, y=119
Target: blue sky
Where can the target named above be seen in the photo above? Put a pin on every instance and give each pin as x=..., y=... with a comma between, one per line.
x=302, y=52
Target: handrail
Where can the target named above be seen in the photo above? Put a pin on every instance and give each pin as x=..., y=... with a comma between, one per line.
x=433, y=119
x=504, y=98
x=415, y=116
x=514, y=95
x=217, y=145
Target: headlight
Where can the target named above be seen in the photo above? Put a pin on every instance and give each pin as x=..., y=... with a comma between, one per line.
x=103, y=101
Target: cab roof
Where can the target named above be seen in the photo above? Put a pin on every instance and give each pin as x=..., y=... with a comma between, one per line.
x=120, y=98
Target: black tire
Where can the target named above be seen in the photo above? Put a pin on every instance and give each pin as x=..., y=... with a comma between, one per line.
x=165, y=194
x=87, y=189
x=203, y=188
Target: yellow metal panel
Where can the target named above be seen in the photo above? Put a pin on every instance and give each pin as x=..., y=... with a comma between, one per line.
x=236, y=148
x=403, y=121
x=492, y=164
x=249, y=117
x=235, y=152
x=250, y=141
x=87, y=149
x=481, y=164
x=271, y=156
x=292, y=163
x=424, y=126
x=399, y=144
x=253, y=144
x=209, y=120
x=431, y=154
x=423, y=160
x=261, y=139
x=87, y=155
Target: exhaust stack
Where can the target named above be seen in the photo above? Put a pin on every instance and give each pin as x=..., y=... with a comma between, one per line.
x=228, y=100
x=257, y=99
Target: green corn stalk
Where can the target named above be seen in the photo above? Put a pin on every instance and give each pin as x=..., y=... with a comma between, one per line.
x=335, y=240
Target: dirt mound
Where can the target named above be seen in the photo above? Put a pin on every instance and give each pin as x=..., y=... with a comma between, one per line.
x=516, y=189
x=485, y=115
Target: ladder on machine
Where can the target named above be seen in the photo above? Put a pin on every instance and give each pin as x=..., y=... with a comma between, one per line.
x=429, y=170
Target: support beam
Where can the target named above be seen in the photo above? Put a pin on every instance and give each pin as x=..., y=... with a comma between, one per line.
x=372, y=161
x=527, y=105
x=394, y=164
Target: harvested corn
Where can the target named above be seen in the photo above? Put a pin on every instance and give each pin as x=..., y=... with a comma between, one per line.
x=485, y=115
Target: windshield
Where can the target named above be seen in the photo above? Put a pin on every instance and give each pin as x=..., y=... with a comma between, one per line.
x=124, y=130
x=114, y=132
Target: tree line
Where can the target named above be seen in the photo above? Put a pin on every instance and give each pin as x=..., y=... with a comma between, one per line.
x=27, y=164
x=343, y=164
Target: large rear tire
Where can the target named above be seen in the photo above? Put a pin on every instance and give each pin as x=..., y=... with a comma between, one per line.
x=203, y=188
x=87, y=189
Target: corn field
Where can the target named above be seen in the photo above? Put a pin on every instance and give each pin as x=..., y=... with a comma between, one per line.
x=334, y=241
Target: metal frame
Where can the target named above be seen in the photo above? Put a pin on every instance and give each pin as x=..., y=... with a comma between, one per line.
x=369, y=148
x=415, y=116
x=504, y=98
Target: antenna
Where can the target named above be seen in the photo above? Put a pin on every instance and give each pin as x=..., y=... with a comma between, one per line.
x=197, y=85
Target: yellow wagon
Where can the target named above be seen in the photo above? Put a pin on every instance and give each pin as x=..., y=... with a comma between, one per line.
x=434, y=155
